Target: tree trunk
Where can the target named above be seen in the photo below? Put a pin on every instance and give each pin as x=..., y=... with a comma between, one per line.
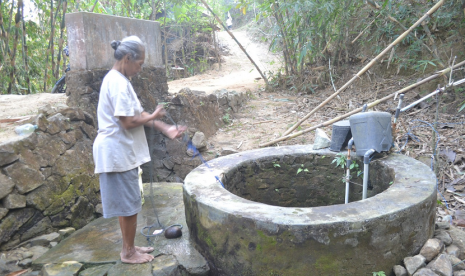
x=15, y=45
x=60, y=43
x=25, y=57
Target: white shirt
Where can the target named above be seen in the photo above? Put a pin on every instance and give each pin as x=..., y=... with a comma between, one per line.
x=117, y=149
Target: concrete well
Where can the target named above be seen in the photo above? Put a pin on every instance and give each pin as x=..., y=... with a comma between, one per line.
x=271, y=220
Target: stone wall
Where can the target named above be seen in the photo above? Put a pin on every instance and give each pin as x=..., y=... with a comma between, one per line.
x=199, y=111
x=46, y=178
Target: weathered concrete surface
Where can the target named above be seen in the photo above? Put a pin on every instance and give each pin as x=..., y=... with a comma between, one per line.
x=243, y=237
x=90, y=35
x=100, y=242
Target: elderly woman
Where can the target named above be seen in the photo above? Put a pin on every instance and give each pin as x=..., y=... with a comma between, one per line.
x=121, y=146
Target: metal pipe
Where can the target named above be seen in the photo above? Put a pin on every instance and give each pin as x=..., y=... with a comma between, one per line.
x=349, y=161
x=432, y=94
x=366, y=162
x=401, y=99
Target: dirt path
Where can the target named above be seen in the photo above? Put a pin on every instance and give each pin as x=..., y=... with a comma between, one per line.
x=237, y=72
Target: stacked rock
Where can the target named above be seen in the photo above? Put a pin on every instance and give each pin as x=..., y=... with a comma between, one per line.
x=443, y=255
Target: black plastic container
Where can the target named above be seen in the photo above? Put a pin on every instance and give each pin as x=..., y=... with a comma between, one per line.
x=371, y=130
x=340, y=136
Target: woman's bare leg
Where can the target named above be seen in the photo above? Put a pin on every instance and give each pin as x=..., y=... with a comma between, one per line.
x=129, y=253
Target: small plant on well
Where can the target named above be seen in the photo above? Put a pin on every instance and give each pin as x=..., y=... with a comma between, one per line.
x=301, y=169
x=276, y=165
x=379, y=273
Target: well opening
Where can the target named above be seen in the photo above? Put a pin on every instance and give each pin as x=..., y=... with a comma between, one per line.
x=271, y=219
x=310, y=180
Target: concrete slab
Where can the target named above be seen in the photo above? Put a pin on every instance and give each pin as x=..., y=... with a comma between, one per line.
x=90, y=35
x=100, y=242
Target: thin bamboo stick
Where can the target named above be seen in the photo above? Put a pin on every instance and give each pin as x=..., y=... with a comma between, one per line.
x=370, y=105
x=368, y=66
x=233, y=37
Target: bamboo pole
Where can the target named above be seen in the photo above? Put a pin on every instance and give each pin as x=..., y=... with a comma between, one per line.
x=25, y=56
x=368, y=66
x=233, y=37
x=370, y=105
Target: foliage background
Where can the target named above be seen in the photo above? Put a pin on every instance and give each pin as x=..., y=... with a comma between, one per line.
x=309, y=35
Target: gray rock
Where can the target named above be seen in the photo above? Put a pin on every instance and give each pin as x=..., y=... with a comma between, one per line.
x=227, y=151
x=442, y=235
x=425, y=272
x=412, y=264
x=121, y=269
x=25, y=178
x=459, y=273
x=458, y=236
x=38, y=251
x=58, y=123
x=101, y=270
x=46, y=109
x=431, y=249
x=457, y=264
x=14, y=201
x=7, y=155
x=168, y=164
x=453, y=250
x=3, y=212
x=81, y=213
x=400, y=270
x=64, y=233
x=165, y=265
x=99, y=209
x=199, y=141
x=13, y=221
x=6, y=185
x=44, y=240
x=321, y=140
x=70, y=268
x=25, y=263
x=441, y=265
x=442, y=225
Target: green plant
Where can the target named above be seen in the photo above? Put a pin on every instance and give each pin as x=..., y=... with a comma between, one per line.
x=226, y=118
x=301, y=169
x=276, y=165
x=340, y=159
x=379, y=273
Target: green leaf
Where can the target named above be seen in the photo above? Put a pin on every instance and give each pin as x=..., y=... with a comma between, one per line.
x=299, y=170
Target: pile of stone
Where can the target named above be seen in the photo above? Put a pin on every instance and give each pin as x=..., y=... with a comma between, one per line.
x=21, y=258
x=443, y=255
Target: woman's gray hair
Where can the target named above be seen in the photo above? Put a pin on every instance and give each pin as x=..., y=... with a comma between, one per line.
x=131, y=45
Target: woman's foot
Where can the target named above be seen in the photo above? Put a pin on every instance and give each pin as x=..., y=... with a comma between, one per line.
x=142, y=249
x=135, y=257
